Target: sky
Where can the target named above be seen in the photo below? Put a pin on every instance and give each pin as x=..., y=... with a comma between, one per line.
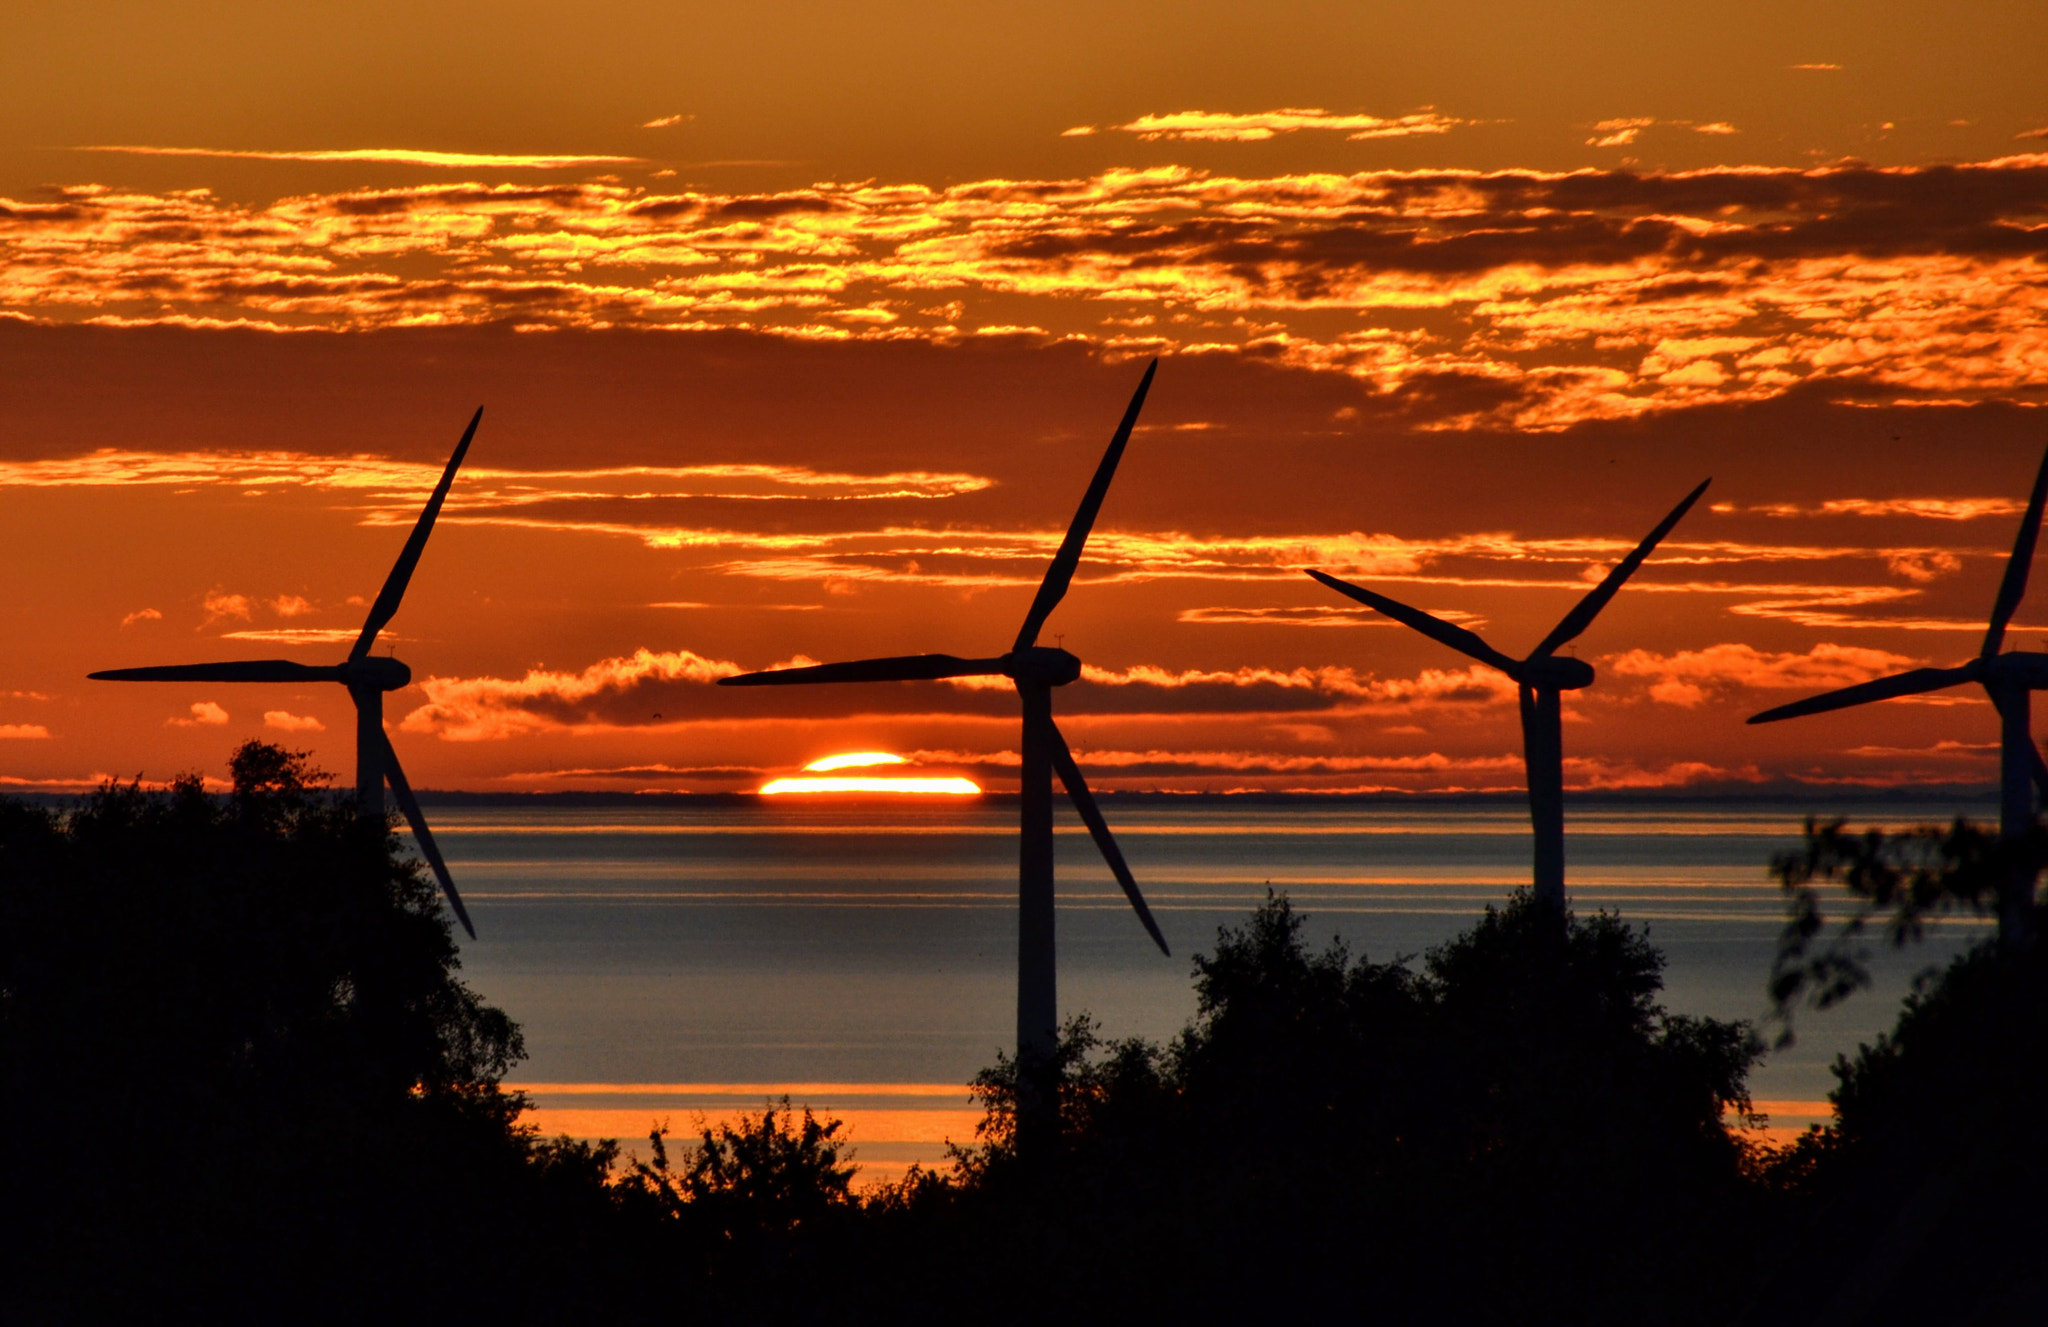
x=799, y=330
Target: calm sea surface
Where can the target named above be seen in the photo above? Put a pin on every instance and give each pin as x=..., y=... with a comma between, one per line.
x=667, y=962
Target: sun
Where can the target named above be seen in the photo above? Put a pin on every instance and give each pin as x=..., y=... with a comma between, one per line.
x=815, y=778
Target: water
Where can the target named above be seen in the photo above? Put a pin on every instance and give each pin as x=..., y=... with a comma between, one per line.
x=669, y=961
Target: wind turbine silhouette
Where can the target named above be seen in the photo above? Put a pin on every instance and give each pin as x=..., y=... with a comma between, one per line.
x=2010, y=681
x=367, y=678
x=1035, y=670
x=1543, y=678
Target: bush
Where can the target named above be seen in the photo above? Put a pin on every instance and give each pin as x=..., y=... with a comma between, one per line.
x=241, y=1079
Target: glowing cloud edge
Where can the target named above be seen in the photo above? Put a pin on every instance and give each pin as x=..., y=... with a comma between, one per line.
x=854, y=760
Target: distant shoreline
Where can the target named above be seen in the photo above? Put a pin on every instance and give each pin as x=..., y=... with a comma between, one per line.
x=1793, y=799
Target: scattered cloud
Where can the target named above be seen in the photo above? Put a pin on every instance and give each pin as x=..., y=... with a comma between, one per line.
x=667, y=121
x=205, y=714
x=286, y=722
x=1814, y=66
x=220, y=606
x=141, y=615
x=15, y=732
x=1622, y=132
x=1689, y=677
x=291, y=605
x=1221, y=126
x=1939, y=509
x=390, y=156
x=1519, y=299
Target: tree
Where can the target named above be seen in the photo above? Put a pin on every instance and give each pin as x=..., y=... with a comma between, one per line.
x=234, y=1051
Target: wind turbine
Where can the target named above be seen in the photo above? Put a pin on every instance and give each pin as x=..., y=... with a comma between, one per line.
x=367, y=678
x=2010, y=680
x=1035, y=670
x=1543, y=678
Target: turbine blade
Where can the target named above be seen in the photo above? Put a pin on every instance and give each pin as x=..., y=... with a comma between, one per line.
x=1061, y=573
x=901, y=668
x=1091, y=815
x=409, y=557
x=1911, y=683
x=1588, y=608
x=2014, y=587
x=402, y=792
x=1463, y=641
x=240, y=670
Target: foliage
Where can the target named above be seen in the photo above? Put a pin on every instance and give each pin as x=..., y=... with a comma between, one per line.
x=233, y=1047
x=1899, y=880
x=1328, y=1123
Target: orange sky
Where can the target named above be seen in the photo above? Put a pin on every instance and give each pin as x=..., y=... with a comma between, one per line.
x=800, y=331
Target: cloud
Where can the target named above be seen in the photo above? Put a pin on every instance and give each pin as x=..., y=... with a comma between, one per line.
x=205, y=714
x=1814, y=66
x=1620, y=133
x=220, y=606
x=1471, y=299
x=2042, y=132
x=487, y=709
x=667, y=121
x=11, y=732
x=1217, y=126
x=307, y=635
x=141, y=615
x=1689, y=677
x=1939, y=509
x=291, y=605
x=1308, y=617
x=383, y=156
x=287, y=722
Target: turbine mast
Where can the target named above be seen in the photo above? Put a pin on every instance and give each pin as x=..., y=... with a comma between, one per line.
x=1037, y=978
x=1543, y=756
x=2014, y=702
x=369, y=751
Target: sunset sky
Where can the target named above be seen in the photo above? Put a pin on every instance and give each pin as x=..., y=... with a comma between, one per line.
x=799, y=329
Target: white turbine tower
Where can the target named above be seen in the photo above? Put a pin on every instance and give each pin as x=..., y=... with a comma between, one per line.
x=1543, y=678
x=367, y=678
x=1034, y=670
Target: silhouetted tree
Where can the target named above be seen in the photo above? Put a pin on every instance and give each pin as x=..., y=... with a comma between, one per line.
x=1899, y=881
x=240, y=1078
x=1923, y=1201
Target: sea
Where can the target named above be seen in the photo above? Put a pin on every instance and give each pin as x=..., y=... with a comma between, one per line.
x=674, y=964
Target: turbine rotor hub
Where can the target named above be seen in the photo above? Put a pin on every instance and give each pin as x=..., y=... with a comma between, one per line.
x=1556, y=674
x=375, y=673
x=1042, y=666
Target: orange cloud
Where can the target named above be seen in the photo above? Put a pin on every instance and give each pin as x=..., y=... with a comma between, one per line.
x=383, y=155
x=1214, y=126
x=13, y=732
x=141, y=615
x=1688, y=677
x=205, y=714
x=1522, y=299
x=286, y=722
x=219, y=605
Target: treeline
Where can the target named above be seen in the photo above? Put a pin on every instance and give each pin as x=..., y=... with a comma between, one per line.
x=242, y=1082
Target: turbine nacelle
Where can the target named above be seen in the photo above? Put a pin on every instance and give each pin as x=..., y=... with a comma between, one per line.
x=2026, y=670
x=1553, y=673
x=1039, y=665
x=375, y=673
